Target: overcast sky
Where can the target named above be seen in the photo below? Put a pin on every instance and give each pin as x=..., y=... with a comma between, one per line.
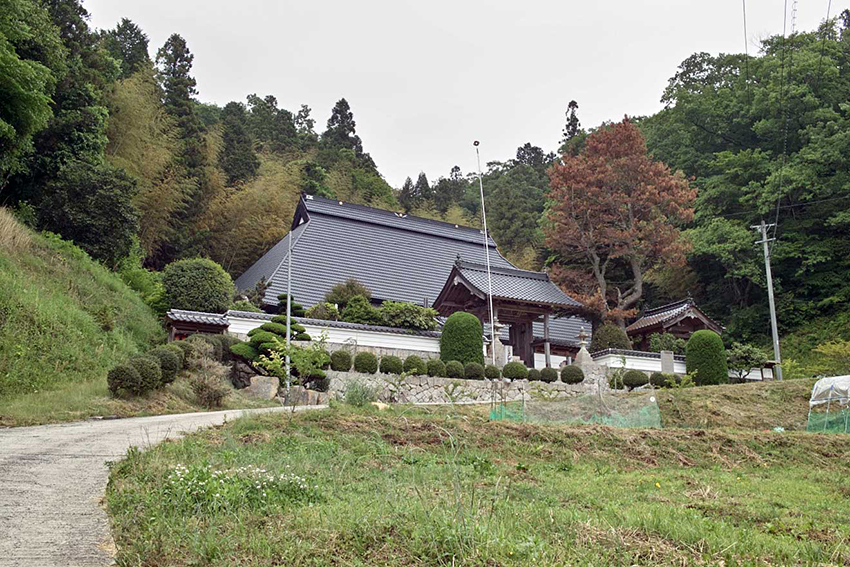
x=426, y=78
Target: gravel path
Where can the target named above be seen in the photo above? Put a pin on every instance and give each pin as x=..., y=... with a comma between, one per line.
x=52, y=480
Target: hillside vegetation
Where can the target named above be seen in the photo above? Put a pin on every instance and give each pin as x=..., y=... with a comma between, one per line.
x=64, y=319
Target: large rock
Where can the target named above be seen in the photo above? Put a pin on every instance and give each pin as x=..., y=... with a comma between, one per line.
x=301, y=396
x=263, y=387
x=241, y=374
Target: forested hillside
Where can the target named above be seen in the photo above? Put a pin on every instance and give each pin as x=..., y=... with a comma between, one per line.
x=105, y=141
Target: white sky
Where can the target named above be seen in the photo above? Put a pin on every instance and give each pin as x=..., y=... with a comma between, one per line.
x=426, y=78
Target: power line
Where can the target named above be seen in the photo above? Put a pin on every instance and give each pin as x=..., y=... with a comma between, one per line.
x=746, y=53
x=794, y=206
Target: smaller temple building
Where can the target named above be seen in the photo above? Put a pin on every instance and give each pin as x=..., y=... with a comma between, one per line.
x=681, y=319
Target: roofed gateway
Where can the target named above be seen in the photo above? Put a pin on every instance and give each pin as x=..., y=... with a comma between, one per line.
x=681, y=319
x=398, y=257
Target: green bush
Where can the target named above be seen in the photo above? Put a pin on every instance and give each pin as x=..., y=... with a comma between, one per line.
x=359, y=395
x=123, y=379
x=462, y=339
x=609, y=335
x=705, y=355
x=415, y=365
x=342, y=293
x=366, y=362
x=666, y=341
x=549, y=375
x=571, y=374
x=245, y=351
x=660, y=379
x=197, y=284
x=211, y=340
x=186, y=347
x=615, y=381
x=149, y=371
x=473, y=371
x=324, y=311
x=515, y=371
x=454, y=369
x=492, y=372
x=635, y=378
x=359, y=310
x=295, y=308
x=181, y=356
x=245, y=305
x=169, y=363
x=391, y=365
x=408, y=316
x=341, y=360
x=227, y=341
x=436, y=367
x=533, y=374
x=302, y=337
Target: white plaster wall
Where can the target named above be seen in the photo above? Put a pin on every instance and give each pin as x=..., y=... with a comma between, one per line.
x=654, y=365
x=540, y=360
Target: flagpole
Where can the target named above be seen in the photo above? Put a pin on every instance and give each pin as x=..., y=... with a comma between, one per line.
x=487, y=258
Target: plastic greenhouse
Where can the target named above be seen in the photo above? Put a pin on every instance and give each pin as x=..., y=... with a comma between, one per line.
x=829, y=406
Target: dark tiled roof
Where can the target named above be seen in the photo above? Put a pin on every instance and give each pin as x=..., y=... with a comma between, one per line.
x=669, y=312
x=337, y=324
x=265, y=267
x=519, y=285
x=198, y=317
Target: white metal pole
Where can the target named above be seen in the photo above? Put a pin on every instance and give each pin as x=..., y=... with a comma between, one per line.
x=288, y=313
x=487, y=258
x=762, y=228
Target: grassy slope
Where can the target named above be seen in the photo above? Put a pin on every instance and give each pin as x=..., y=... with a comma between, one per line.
x=447, y=487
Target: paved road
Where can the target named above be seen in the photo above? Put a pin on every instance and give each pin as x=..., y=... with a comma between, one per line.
x=53, y=477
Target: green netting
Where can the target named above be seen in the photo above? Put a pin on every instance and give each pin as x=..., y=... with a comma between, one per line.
x=829, y=422
x=637, y=409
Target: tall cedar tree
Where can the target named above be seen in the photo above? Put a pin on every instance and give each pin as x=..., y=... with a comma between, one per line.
x=341, y=131
x=448, y=192
x=407, y=196
x=613, y=216
x=128, y=44
x=236, y=157
x=422, y=189
x=272, y=128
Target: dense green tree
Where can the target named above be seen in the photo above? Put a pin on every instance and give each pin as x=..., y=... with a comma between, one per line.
x=341, y=132
x=448, y=191
x=236, y=157
x=197, y=284
x=314, y=180
x=304, y=123
x=515, y=207
x=407, y=196
x=273, y=128
x=422, y=189
x=128, y=44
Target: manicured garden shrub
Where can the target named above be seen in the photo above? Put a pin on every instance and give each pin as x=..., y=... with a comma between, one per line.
x=415, y=365
x=175, y=348
x=169, y=363
x=405, y=315
x=659, y=379
x=454, y=369
x=609, y=335
x=341, y=360
x=571, y=374
x=462, y=339
x=366, y=362
x=705, y=355
x=341, y=293
x=515, y=371
x=245, y=351
x=492, y=372
x=320, y=384
x=635, y=378
x=473, y=371
x=295, y=308
x=533, y=374
x=549, y=375
x=297, y=332
x=436, y=367
x=391, y=365
x=324, y=311
x=359, y=310
x=149, y=373
x=197, y=284
x=123, y=379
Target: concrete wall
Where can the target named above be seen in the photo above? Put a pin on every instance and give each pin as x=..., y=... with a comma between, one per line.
x=651, y=362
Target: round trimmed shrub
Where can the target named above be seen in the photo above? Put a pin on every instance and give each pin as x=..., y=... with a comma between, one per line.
x=549, y=375
x=302, y=337
x=609, y=335
x=462, y=339
x=187, y=348
x=169, y=363
x=571, y=374
x=276, y=328
x=341, y=360
x=391, y=365
x=123, y=379
x=473, y=371
x=454, y=369
x=515, y=371
x=706, y=355
x=150, y=374
x=659, y=379
x=245, y=351
x=492, y=372
x=415, y=365
x=366, y=363
x=197, y=284
x=436, y=367
x=635, y=378
x=533, y=374
x=173, y=347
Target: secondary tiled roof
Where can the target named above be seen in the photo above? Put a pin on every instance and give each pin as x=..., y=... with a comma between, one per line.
x=337, y=324
x=669, y=312
x=515, y=284
x=198, y=317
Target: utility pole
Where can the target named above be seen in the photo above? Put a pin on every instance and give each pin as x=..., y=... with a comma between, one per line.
x=487, y=257
x=762, y=228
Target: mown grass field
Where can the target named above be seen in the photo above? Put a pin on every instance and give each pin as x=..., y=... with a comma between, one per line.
x=444, y=486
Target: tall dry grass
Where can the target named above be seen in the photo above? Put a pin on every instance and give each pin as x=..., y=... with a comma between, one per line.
x=13, y=235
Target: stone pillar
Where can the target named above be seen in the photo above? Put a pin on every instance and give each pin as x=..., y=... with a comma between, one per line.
x=667, y=361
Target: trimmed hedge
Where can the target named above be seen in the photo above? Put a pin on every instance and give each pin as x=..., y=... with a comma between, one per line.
x=197, y=284
x=533, y=374
x=436, y=367
x=149, y=371
x=635, y=378
x=123, y=379
x=706, y=355
x=366, y=362
x=169, y=363
x=492, y=372
x=454, y=369
x=462, y=339
x=415, y=365
x=473, y=371
x=391, y=365
x=549, y=375
x=515, y=371
x=245, y=351
x=571, y=374
x=341, y=360
x=607, y=336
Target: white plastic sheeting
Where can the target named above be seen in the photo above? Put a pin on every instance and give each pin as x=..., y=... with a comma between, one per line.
x=833, y=389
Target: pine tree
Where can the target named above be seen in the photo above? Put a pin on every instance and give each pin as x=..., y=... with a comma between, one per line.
x=128, y=44
x=422, y=189
x=236, y=157
x=406, y=197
